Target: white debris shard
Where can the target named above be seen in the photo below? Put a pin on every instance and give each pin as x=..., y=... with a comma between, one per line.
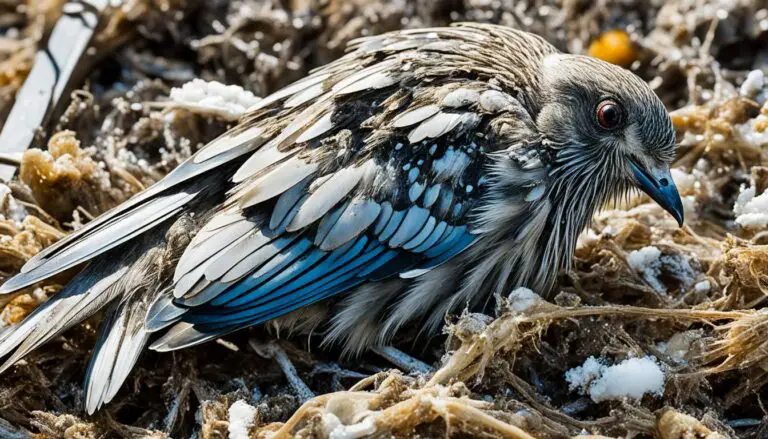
x=523, y=298
x=751, y=211
x=632, y=378
x=241, y=418
x=335, y=429
x=227, y=101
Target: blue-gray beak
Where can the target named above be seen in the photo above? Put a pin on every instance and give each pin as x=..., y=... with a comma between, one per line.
x=658, y=184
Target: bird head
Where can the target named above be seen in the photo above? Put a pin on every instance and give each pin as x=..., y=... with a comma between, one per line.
x=608, y=132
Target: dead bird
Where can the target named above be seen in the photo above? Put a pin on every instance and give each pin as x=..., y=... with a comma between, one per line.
x=423, y=172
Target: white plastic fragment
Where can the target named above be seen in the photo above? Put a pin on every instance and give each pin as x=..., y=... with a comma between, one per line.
x=227, y=101
x=241, y=419
x=751, y=211
x=632, y=378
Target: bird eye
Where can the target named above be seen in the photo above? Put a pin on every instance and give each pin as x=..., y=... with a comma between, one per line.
x=609, y=114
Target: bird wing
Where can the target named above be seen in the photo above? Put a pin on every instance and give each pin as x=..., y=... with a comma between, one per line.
x=146, y=210
x=375, y=175
x=356, y=71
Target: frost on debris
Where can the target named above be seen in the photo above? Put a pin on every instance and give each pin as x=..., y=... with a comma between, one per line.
x=241, y=419
x=632, y=378
x=751, y=211
x=646, y=263
x=9, y=207
x=227, y=101
x=703, y=287
x=753, y=132
x=650, y=264
x=522, y=298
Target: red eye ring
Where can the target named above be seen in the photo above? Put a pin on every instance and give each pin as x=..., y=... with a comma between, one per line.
x=609, y=114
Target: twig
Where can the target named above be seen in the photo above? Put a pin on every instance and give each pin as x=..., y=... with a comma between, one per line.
x=403, y=360
x=273, y=350
x=505, y=331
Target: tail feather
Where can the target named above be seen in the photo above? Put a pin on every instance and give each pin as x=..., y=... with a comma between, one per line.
x=126, y=255
x=105, y=238
x=184, y=335
x=143, y=212
x=82, y=297
x=163, y=312
x=122, y=338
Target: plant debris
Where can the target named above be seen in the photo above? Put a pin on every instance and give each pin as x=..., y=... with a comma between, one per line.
x=678, y=313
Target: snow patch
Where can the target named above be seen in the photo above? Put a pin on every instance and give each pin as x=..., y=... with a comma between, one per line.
x=649, y=263
x=751, y=211
x=337, y=430
x=753, y=132
x=241, y=418
x=753, y=86
x=646, y=262
x=228, y=101
x=644, y=259
x=582, y=376
x=632, y=378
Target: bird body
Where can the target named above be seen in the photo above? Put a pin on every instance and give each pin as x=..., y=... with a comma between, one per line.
x=421, y=173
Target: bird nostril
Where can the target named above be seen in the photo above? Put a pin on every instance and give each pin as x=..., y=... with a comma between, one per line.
x=664, y=182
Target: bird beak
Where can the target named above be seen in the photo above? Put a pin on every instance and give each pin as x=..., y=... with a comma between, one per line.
x=658, y=184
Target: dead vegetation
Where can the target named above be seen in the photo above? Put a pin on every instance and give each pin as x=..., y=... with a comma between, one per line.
x=692, y=299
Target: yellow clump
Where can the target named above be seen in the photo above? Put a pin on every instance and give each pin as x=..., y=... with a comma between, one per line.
x=24, y=303
x=745, y=272
x=18, y=245
x=614, y=46
x=64, y=177
x=14, y=69
x=675, y=425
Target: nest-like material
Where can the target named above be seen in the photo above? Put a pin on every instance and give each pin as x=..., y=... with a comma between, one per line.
x=698, y=309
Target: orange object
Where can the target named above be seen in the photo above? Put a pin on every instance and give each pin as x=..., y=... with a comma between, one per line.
x=614, y=46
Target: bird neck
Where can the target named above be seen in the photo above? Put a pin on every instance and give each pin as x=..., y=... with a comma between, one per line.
x=529, y=223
